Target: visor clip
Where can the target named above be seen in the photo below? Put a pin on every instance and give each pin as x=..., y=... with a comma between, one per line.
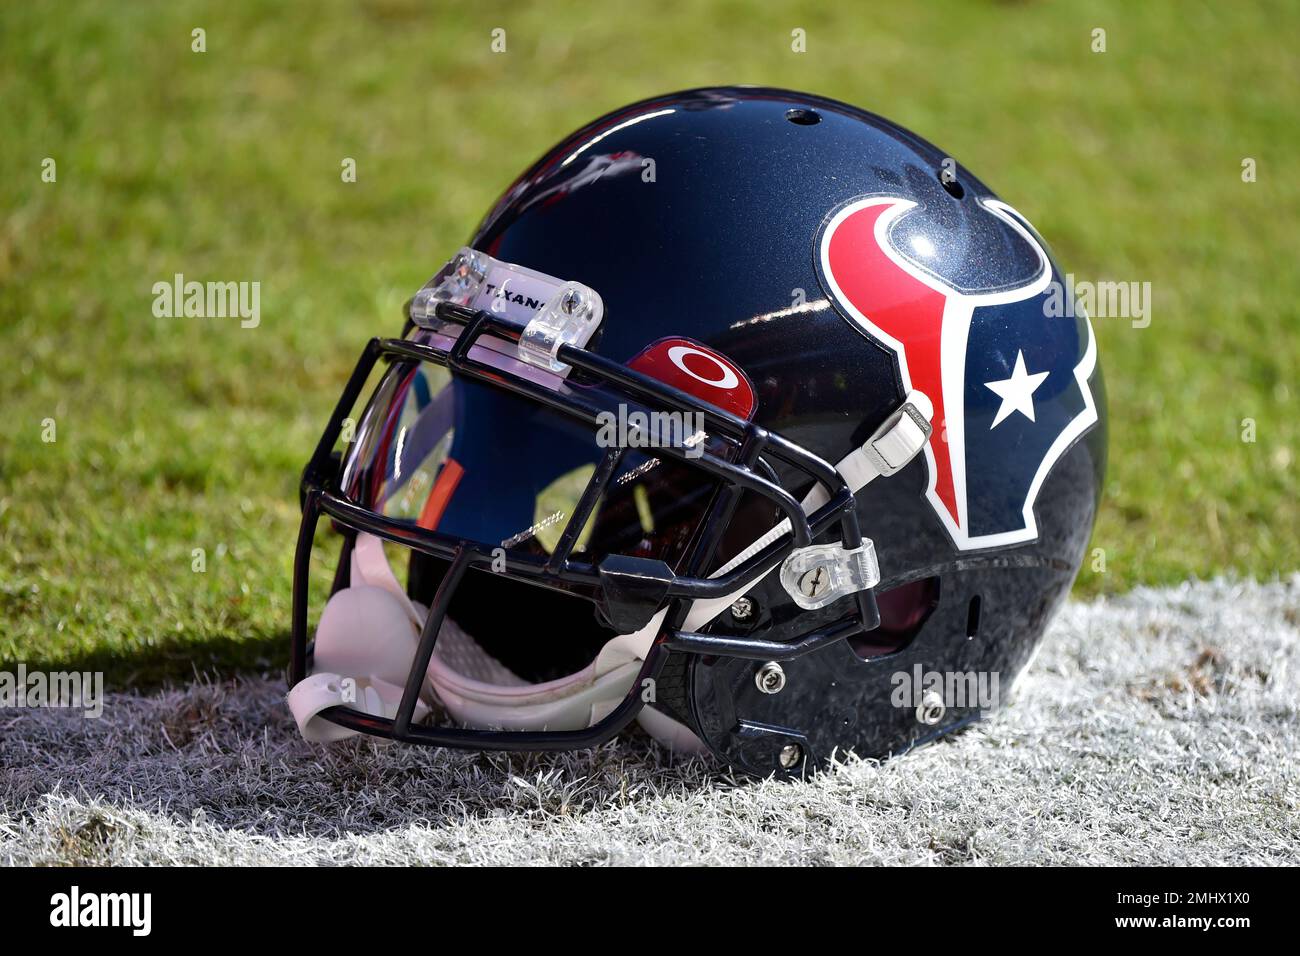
x=570, y=318
x=823, y=573
x=459, y=282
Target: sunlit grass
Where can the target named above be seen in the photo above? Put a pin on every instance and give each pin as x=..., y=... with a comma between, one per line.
x=182, y=434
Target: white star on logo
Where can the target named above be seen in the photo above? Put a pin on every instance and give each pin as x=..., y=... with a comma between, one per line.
x=1016, y=392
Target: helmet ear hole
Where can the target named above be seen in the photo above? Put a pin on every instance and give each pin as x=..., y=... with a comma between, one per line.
x=903, y=612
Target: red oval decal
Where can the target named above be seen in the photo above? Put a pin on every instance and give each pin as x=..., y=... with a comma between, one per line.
x=700, y=371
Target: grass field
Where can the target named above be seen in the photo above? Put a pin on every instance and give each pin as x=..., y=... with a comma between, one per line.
x=177, y=434
x=1126, y=744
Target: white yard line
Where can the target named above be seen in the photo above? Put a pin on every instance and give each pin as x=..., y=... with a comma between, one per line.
x=1118, y=747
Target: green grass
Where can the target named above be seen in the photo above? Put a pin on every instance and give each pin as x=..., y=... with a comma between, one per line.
x=176, y=434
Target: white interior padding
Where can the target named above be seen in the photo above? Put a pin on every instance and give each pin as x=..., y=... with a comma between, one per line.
x=504, y=701
x=461, y=654
x=321, y=690
x=365, y=632
x=366, y=642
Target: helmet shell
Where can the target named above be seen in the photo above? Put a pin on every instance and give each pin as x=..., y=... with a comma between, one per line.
x=701, y=215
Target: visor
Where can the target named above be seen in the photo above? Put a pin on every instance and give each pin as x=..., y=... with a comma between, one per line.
x=447, y=454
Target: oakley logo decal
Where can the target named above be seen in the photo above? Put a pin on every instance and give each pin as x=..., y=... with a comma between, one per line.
x=704, y=362
x=700, y=371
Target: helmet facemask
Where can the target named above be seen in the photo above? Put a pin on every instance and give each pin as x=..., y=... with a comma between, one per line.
x=557, y=564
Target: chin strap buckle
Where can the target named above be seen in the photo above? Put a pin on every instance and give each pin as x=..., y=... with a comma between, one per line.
x=902, y=435
x=817, y=575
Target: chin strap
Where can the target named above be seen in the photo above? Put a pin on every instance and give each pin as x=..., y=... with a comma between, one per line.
x=316, y=692
x=896, y=442
x=365, y=642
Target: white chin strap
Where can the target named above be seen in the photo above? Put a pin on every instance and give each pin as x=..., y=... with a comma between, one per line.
x=369, y=632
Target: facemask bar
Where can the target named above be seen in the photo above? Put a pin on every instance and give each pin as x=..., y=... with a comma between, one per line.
x=628, y=590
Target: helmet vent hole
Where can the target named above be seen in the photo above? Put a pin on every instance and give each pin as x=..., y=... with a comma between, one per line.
x=973, y=618
x=801, y=116
x=903, y=612
x=951, y=184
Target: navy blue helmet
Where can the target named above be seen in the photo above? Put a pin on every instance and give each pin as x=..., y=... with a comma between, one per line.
x=744, y=413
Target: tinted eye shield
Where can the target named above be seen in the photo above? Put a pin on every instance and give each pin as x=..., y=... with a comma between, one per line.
x=628, y=591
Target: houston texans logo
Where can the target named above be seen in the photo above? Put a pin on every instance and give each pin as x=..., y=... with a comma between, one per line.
x=1009, y=385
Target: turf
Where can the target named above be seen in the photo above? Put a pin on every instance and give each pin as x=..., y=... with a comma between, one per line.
x=1156, y=728
x=177, y=434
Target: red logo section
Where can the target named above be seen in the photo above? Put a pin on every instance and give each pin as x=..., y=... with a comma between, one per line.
x=898, y=304
x=699, y=371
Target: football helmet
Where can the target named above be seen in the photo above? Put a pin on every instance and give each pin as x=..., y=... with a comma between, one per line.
x=744, y=413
